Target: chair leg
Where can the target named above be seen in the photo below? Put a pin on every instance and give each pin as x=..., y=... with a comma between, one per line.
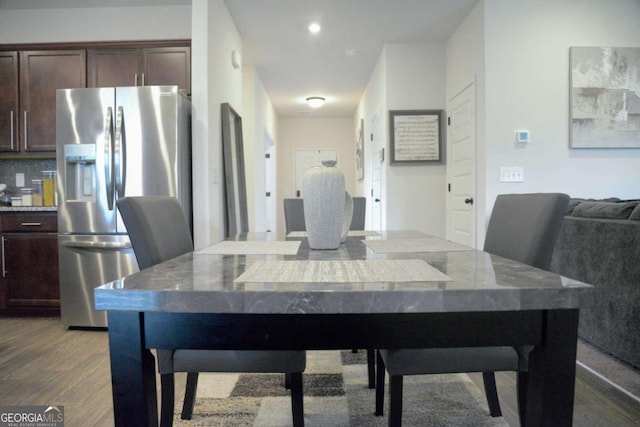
x=371, y=367
x=491, y=391
x=380, y=385
x=522, y=381
x=189, y=395
x=167, y=385
x=297, y=406
x=395, y=400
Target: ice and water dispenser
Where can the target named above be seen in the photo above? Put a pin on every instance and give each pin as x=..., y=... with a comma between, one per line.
x=80, y=172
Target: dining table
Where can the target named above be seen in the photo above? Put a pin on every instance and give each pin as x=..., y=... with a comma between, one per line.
x=379, y=289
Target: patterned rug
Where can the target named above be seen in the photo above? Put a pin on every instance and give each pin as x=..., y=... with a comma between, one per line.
x=335, y=394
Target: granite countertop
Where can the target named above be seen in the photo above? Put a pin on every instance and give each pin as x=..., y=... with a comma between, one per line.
x=28, y=209
x=200, y=282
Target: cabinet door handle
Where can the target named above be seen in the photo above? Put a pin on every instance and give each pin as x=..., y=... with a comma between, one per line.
x=26, y=146
x=142, y=80
x=12, y=134
x=4, y=272
x=31, y=224
x=135, y=79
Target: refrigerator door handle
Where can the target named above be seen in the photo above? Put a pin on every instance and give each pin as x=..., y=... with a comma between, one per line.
x=108, y=158
x=120, y=150
x=98, y=246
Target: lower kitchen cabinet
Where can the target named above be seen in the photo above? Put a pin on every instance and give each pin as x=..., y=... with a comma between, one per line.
x=30, y=278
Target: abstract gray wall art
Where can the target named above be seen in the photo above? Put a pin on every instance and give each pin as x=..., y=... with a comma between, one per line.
x=605, y=97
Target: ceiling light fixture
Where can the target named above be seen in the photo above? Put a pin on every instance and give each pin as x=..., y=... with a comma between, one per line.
x=315, y=101
x=314, y=28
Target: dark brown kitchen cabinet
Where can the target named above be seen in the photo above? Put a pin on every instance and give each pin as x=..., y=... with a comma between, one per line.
x=30, y=279
x=140, y=67
x=8, y=101
x=41, y=74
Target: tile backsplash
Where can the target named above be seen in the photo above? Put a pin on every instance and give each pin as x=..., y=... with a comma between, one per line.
x=31, y=168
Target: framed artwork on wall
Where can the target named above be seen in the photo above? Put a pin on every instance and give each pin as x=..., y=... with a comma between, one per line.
x=604, y=97
x=416, y=136
x=360, y=152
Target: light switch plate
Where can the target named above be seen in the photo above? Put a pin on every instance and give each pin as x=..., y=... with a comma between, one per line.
x=512, y=174
x=19, y=179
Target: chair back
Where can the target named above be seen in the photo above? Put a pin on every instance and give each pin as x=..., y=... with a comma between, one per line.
x=359, y=210
x=294, y=215
x=524, y=227
x=157, y=228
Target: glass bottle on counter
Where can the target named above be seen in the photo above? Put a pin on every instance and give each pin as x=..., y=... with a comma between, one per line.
x=38, y=192
x=27, y=196
x=49, y=188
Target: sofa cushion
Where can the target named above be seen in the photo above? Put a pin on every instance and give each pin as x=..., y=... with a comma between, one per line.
x=572, y=205
x=636, y=213
x=605, y=210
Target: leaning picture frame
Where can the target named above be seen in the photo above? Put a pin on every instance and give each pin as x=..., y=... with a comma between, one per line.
x=235, y=199
x=416, y=136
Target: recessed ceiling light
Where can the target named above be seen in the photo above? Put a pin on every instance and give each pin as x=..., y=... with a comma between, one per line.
x=314, y=28
x=315, y=101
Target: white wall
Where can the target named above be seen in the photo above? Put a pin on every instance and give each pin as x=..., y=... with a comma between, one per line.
x=415, y=195
x=312, y=133
x=214, y=81
x=95, y=24
x=527, y=87
x=259, y=122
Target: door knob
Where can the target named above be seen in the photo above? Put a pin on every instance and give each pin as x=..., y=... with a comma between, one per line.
x=376, y=200
x=468, y=201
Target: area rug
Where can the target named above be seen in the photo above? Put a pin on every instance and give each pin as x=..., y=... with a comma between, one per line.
x=335, y=394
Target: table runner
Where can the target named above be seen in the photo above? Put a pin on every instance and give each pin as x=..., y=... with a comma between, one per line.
x=430, y=244
x=343, y=271
x=253, y=247
x=351, y=233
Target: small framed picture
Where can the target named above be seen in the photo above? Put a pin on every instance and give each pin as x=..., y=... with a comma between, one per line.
x=416, y=136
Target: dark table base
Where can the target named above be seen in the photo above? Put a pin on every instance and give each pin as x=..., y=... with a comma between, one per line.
x=551, y=367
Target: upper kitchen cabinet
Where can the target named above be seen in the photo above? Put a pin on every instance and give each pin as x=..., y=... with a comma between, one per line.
x=41, y=74
x=140, y=67
x=8, y=101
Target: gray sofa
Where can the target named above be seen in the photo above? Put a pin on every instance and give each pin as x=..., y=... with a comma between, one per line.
x=599, y=243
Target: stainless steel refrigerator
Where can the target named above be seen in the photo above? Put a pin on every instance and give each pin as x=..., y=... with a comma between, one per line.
x=111, y=143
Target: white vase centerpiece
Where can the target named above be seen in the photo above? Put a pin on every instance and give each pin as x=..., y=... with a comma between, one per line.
x=325, y=203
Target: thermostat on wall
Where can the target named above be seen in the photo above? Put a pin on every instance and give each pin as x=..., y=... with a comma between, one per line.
x=522, y=136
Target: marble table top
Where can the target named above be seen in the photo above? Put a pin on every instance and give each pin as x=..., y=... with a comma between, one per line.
x=206, y=283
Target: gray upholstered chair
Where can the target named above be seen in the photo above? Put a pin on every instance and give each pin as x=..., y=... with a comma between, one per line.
x=294, y=215
x=159, y=231
x=359, y=210
x=524, y=228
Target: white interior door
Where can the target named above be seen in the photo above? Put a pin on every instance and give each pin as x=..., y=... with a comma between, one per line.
x=461, y=167
x=269, y=183
x=306, y=159
x=377, y=174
